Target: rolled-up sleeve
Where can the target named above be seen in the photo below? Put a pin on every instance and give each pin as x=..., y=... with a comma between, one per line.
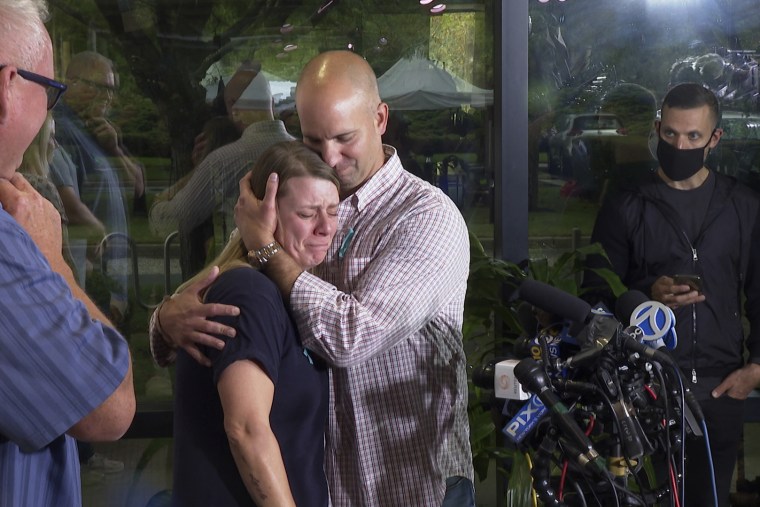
x=56, y=363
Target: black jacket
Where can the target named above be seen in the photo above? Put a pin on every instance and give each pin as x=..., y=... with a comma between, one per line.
x=644, y=241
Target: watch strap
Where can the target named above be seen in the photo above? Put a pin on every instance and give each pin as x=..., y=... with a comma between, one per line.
x=259, y=257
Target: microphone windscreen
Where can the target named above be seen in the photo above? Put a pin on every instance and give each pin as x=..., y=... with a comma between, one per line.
x=627, y=303
x=554, y=300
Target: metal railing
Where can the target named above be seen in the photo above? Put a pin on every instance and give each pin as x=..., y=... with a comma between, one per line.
x=135, y=264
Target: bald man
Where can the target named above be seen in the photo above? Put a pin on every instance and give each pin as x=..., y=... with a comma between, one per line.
x=384, y=309
x=64, y=371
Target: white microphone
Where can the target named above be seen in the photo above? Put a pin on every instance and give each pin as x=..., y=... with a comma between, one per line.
x=656, y=320
x=658, y=323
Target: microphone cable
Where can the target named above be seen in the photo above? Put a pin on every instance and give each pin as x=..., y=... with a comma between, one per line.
x=670, y=462
x=710, y=462
x=682, y=391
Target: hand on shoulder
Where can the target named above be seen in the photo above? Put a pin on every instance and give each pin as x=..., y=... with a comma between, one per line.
x=183, y=320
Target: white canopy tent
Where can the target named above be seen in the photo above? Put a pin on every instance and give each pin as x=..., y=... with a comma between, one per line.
x=419, y=84
x=282, y=90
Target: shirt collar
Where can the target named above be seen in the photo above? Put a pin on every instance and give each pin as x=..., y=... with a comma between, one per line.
x=380, y=182
x=263, y=126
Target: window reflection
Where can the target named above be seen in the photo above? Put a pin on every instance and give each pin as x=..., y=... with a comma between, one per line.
x=591, y=58
x=588, y=59
x=154, y=95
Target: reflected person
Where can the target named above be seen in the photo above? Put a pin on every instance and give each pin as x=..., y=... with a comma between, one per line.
x=212, y=187
x=105, y=171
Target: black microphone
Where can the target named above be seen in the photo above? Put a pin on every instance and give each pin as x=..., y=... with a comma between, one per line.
x=629, y=430
x=599, y=328
x=631, y=341
x=483, y=375
x=627, y=303
x=527, y=318
x=554, y=301
x=692, y=411
x=535, y=380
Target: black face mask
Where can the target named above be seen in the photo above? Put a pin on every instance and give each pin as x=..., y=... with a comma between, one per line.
x=678, y=164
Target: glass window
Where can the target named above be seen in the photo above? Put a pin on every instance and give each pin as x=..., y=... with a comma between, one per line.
x=155, y=87
x=607, y=65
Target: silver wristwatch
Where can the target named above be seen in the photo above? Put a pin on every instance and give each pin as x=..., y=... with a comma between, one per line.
x=259, y=258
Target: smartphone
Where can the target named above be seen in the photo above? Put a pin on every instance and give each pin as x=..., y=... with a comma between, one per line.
x=693, y=281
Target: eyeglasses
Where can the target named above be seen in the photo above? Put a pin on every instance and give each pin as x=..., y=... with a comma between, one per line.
x=53, y=88
x=100, y=87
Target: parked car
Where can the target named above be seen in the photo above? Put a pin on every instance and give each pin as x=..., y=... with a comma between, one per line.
x=568, y=142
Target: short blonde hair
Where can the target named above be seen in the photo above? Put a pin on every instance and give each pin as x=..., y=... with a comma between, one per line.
x=37, y=156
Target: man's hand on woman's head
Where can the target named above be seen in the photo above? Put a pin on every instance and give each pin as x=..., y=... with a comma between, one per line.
x=183, y=320
x=257, y=220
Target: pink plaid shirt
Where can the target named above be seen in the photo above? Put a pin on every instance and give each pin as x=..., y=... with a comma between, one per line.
x=385, y=309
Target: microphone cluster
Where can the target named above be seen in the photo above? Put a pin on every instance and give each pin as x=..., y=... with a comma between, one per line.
x=595, y=390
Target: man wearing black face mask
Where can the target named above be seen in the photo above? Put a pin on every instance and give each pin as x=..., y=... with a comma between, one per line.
x=690, y=220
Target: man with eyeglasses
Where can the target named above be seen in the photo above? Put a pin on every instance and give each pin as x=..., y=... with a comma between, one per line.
x=64, y=371
x=92, y=86
x=54, y=89
x=102, y=172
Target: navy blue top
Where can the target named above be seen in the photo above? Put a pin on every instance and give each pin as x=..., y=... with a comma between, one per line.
x=205, y=473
